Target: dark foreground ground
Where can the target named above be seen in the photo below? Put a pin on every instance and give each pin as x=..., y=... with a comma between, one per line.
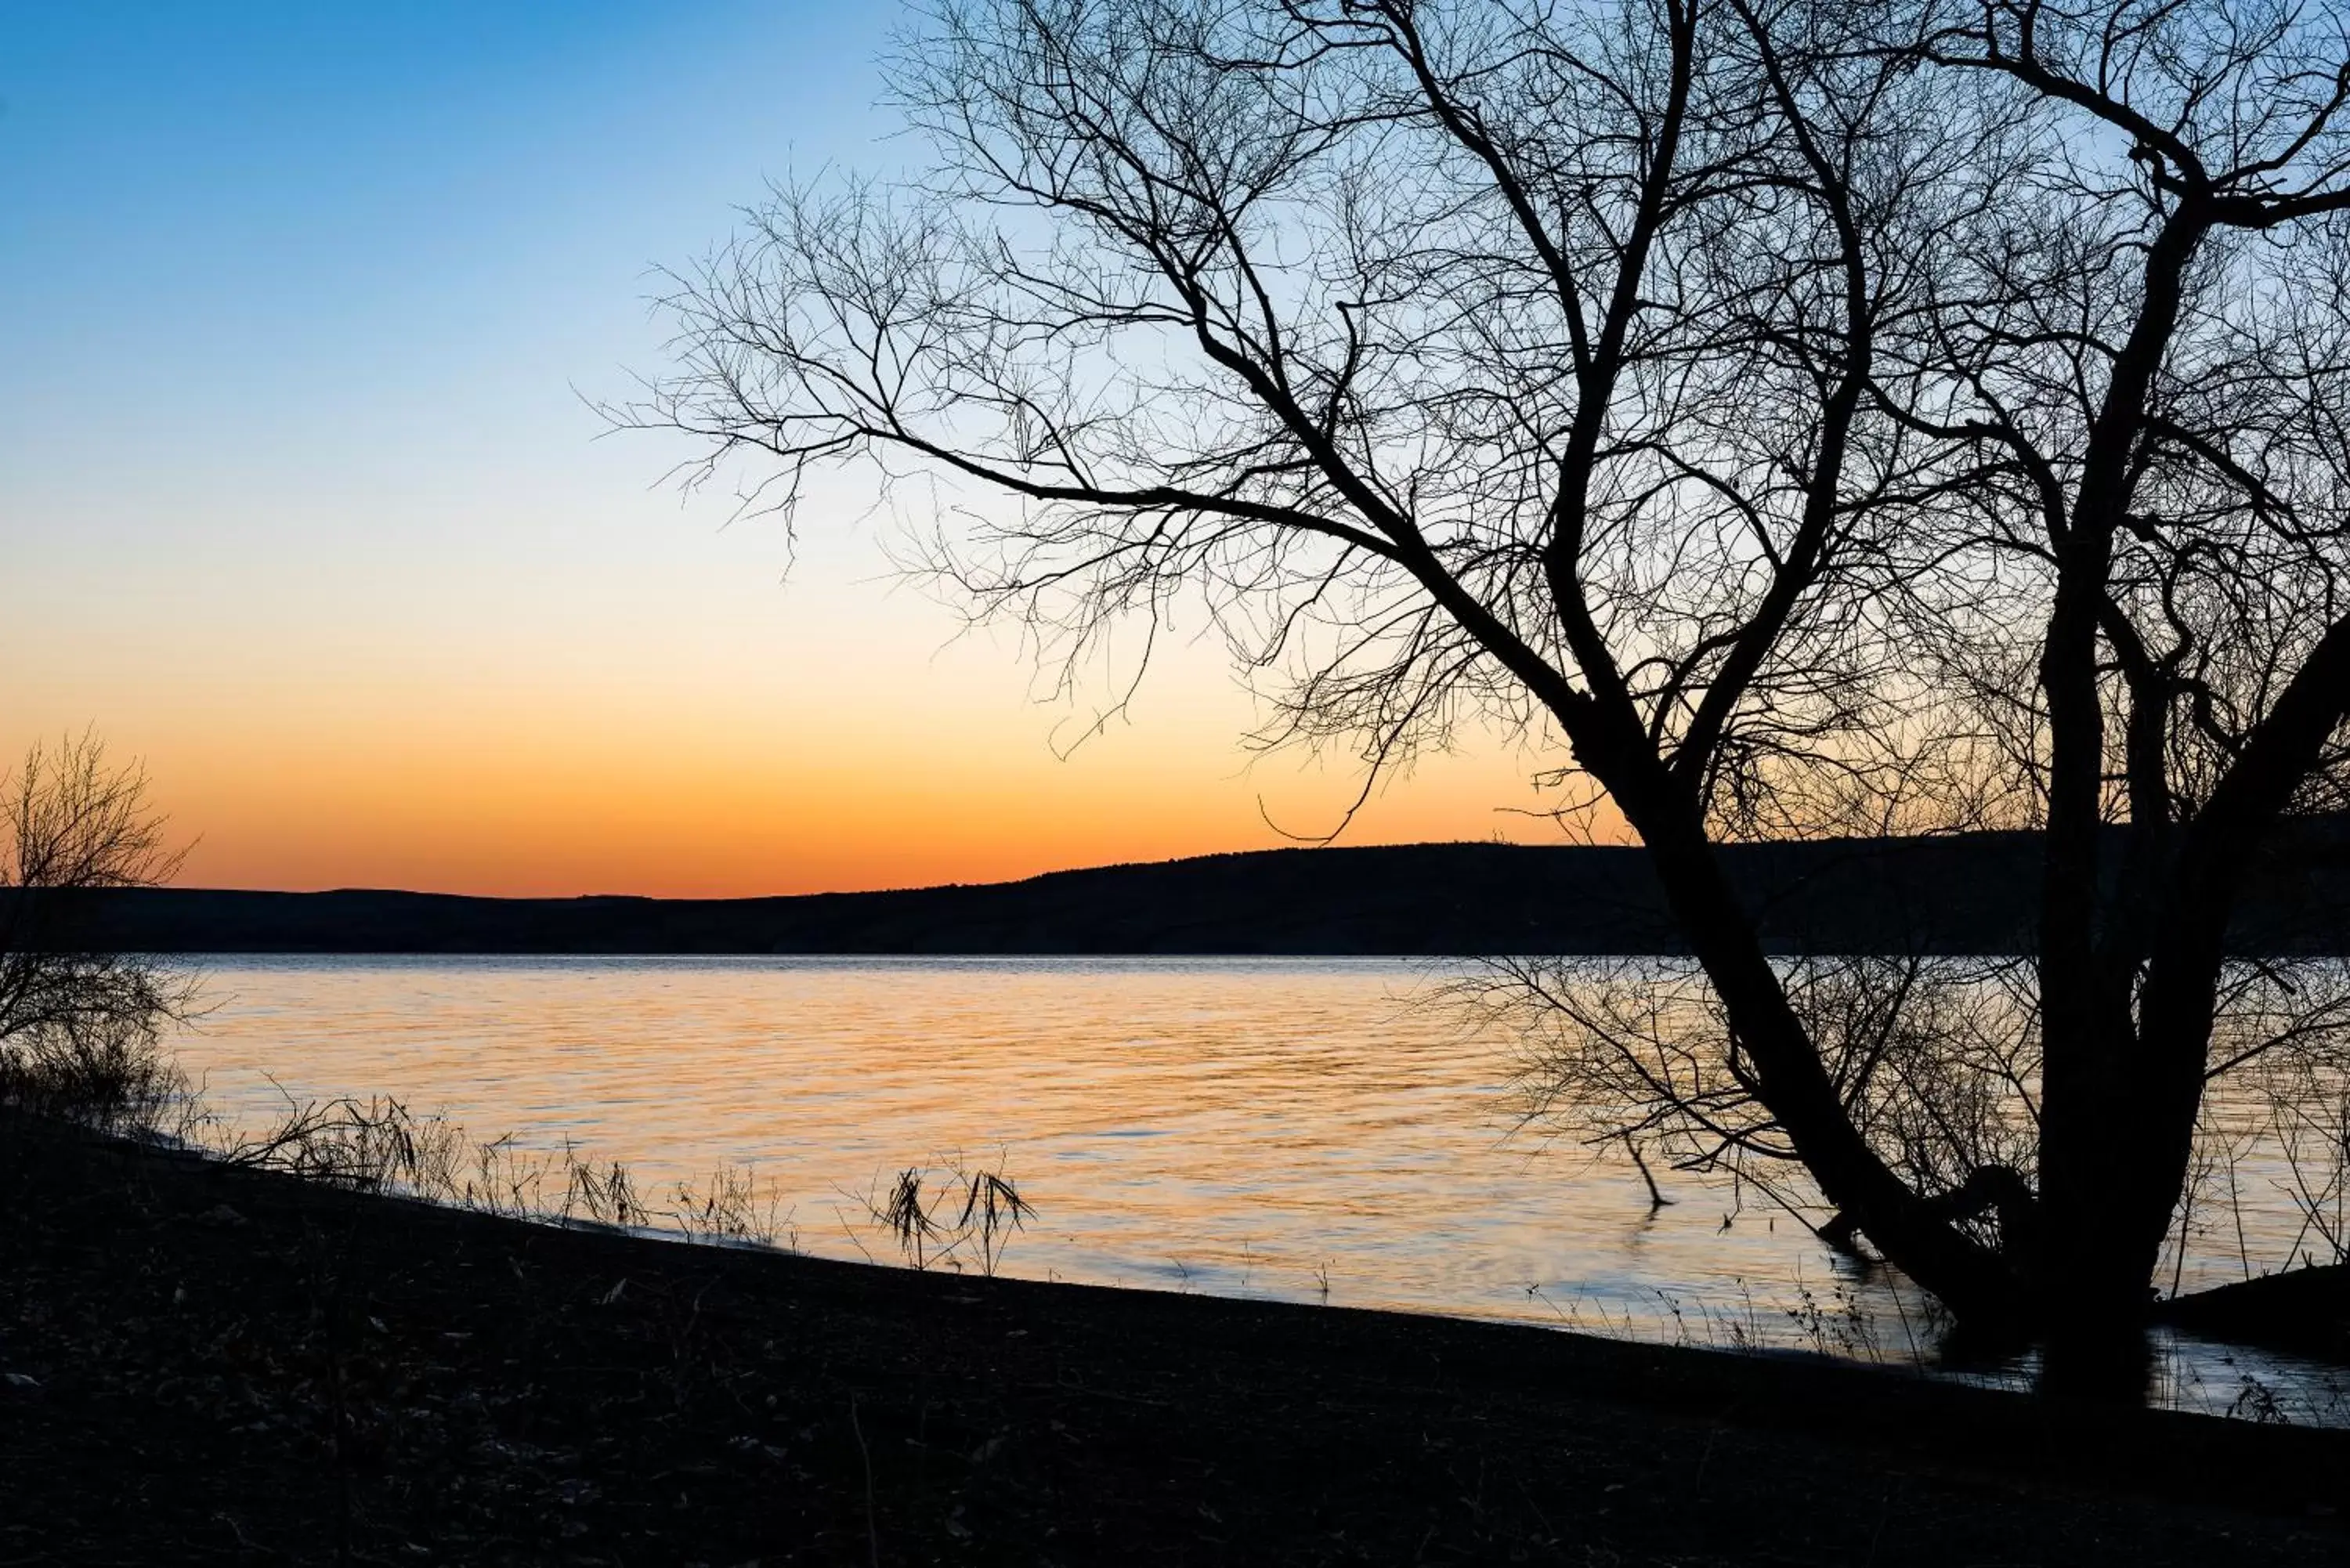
x=202, y=1365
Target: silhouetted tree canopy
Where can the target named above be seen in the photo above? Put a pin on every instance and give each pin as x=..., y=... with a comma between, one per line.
x=1801, y=418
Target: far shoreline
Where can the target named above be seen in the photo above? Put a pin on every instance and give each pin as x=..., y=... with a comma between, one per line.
x=1962, y=895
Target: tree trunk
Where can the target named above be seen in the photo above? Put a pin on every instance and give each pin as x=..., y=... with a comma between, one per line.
x=1977, y=1284
x=2094, y=1291
x=2108, y=1191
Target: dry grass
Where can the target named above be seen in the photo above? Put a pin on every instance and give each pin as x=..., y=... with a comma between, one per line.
x=968, y=1222
x=379, y=1145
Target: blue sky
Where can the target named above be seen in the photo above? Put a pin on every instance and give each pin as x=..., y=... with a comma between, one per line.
x=301, y=499
x=207, y=210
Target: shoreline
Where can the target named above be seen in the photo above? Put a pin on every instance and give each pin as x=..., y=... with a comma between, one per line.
x=343, y=1376
x=1958, y=896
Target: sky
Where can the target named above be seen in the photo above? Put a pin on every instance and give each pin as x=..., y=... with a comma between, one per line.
x=303, y=309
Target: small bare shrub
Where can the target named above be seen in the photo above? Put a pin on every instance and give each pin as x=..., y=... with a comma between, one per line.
x=987, y=1208
x=902, y=1216
x=82, y=1028
x=605, y=1193
x=730, y=1207
x=111, y=1075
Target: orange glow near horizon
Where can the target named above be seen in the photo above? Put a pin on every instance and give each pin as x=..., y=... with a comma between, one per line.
x=914, y=765
x=723, y=837
x=551, y=825
x=349, y=560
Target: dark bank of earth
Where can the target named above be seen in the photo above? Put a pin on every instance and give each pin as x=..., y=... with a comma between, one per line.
x=210, y=1366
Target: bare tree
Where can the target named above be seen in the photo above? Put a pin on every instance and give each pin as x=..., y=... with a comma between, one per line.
x=1800, y=417
x=82, y=1030
x=2171, y=408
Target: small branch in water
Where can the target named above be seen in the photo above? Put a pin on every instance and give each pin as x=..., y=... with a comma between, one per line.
x=1842, y=1232
x=1657, y=1198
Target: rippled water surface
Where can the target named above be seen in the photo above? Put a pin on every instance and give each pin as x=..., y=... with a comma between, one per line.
x=1256, y=1126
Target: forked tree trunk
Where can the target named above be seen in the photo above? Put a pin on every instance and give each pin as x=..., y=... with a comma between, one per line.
x=2117, y=1136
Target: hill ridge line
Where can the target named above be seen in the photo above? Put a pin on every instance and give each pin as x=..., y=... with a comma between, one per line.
x=1959, y=894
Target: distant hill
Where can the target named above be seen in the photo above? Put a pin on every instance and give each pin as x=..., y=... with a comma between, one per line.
x=1968, y=894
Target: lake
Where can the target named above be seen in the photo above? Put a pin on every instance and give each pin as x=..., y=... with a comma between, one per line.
x=1307, y=1129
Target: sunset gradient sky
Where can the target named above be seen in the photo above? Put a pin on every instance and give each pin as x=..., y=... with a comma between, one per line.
x=301, y=499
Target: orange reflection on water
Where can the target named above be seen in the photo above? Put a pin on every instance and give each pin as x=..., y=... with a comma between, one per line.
x=1244, y=1127
x=1235, y=1124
